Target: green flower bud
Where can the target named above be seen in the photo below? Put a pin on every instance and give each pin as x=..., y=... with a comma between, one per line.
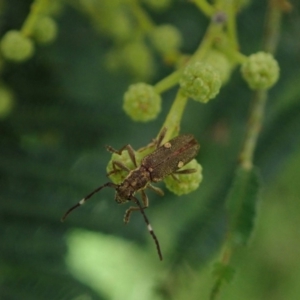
x=125, y=159
x=120, y=175
x=45, y=30
x=138, y=60
x=186, y=183
x=260, y=71
x=220, y=62
x=158, y=5
x=55, y=7
x=141, y=102
x=16, y=47
x=120, y=27
x=166, y=38
x=242, y=4
x=200, y=81
x=6, y=101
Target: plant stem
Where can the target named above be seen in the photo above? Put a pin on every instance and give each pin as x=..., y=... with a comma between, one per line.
x=255, y=122
x=231, y=25
x=37, y=8
x=254, y=127
x=142, y=17
x=172, y=122
x=257, y=112
x=205, y=7
x=167, y=82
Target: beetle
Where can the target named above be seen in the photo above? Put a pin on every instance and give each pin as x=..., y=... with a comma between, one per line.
x=167, y=159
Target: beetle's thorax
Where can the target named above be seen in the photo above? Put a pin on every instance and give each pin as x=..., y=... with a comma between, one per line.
x=136, y=180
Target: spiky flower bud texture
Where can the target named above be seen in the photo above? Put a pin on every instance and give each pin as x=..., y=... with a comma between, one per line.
x=141, y=102
x=120, y=175
x=186, y=183
x=220, y=62
x=200, y=81
x=260, y=71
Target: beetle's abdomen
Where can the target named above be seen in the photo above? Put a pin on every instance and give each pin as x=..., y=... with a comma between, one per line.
x=171, y=156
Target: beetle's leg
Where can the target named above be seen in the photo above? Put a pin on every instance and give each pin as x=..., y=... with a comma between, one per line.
x=185, y=171
x=175, y=177
x=145, y=199
x=180, y=172
x=157, y=190
x=129, y=150
x=135, y=208
x=161, y=137
x=128, y=213
x=155, y=142
x=120, y=166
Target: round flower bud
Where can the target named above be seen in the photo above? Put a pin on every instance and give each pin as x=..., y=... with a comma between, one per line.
x=186, y=183
x=16, y=47
x=200, y=81
x=158, y=5
x=6, y=101
x=220, y=62
x=166, y=38
x=141, y=102
x=118, y=176
x=260, y=71
x=138, y=60
x=45, y=30
x=120, y=27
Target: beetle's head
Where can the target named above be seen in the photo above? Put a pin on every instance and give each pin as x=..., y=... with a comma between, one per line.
x=123, y=193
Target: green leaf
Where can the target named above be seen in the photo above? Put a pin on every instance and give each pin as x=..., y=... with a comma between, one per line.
x=241, y=204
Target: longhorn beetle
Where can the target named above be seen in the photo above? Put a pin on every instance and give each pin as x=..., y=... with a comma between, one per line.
x=166, y=159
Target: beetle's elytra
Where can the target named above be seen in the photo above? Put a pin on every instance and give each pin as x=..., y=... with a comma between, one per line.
x=166, y=159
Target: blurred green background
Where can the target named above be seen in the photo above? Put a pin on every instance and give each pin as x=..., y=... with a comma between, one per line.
x=68, y=106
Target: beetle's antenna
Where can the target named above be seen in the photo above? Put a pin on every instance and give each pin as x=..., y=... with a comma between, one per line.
x=82, y=201
x=150, y=229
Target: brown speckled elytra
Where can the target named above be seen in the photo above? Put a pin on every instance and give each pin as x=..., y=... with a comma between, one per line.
x=166, y=159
